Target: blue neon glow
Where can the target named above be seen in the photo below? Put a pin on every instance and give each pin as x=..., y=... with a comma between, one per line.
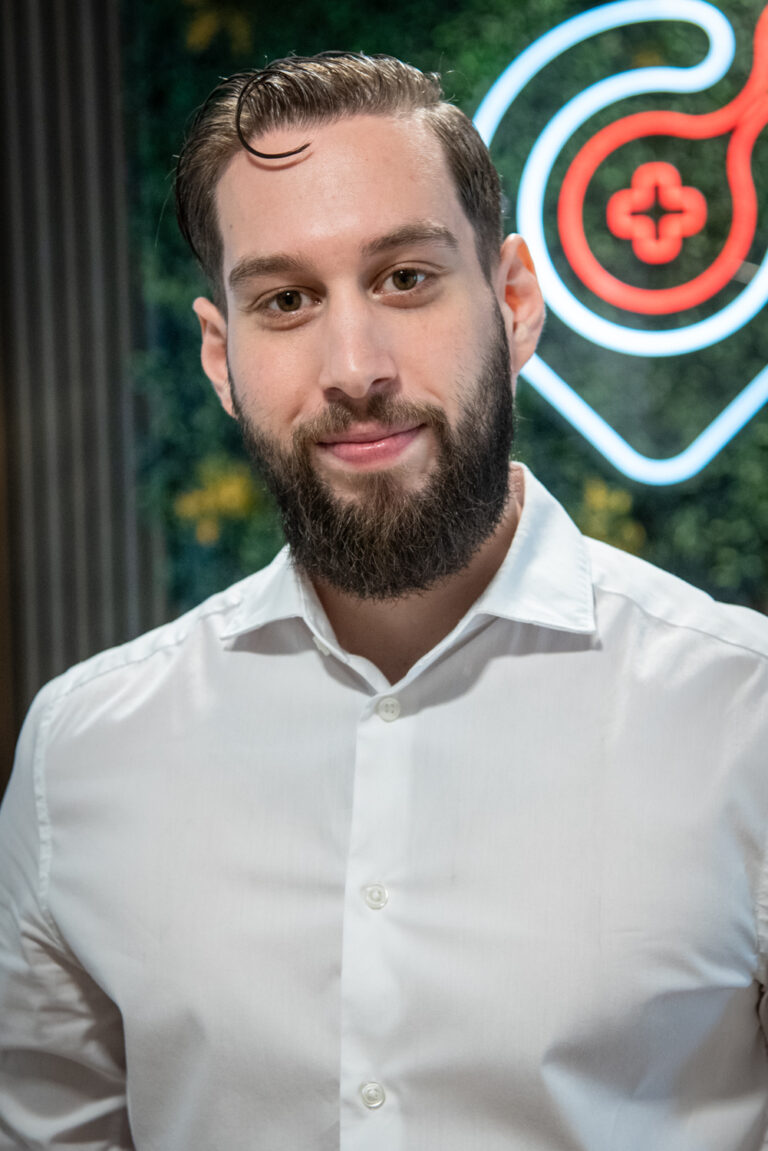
x=619, y=337
x=615, y=448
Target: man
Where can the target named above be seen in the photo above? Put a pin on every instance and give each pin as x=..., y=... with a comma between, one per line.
x=447, y=831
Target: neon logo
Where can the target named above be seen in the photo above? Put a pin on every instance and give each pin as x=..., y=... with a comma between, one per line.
x=654, y=215
x=654, y=184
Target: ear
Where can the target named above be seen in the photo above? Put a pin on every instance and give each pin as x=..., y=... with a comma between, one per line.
x=520, y=299
x=213, y=351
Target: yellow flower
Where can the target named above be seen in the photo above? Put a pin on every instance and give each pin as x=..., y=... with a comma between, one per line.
x=207, y=530
x=605, y=514
x=226, y=491
x=212, y=18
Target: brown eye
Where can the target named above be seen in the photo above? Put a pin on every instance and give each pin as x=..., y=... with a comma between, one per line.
x=289, y=300
x=405, y=278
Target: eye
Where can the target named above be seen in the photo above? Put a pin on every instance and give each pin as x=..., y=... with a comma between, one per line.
x=405, y=279
x=288, y=300
x=286, y=306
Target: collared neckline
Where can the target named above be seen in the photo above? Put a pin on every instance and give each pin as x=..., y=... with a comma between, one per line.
x=546, y=576
x=276, y=592
x=545, y=579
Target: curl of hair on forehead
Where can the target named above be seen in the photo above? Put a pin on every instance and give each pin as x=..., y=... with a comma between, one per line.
x=244, y=99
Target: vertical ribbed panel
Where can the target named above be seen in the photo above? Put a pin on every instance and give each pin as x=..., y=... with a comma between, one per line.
x=76, y=555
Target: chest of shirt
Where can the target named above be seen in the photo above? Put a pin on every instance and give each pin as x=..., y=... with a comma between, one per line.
x=518, y=803
x=524, y=865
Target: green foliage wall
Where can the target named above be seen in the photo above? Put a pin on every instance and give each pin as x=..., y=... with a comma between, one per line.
x=218, y=522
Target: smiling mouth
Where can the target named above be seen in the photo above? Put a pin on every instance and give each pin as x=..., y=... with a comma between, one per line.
x=371, y=446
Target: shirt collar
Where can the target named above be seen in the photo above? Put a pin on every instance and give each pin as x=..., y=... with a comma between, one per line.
x=545, y=578
x=277, y=592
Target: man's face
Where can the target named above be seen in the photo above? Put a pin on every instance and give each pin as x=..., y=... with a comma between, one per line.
x=393, y=539
x=364, y=351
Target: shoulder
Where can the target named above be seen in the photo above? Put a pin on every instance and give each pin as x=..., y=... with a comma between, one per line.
x=210, y=616
x=673, y=604
x=137, y=669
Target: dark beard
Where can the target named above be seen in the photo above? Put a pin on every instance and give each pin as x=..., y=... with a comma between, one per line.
x=389, y=541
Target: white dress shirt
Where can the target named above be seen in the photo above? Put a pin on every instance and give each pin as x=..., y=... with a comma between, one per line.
x=252, y=896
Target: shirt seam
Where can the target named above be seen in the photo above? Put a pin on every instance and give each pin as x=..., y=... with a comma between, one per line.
x=43, y=817
x=761, y=917
x=763, y=655
x=131, y=661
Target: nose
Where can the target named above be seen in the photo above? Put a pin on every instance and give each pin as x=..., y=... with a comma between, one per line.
x=357, y=357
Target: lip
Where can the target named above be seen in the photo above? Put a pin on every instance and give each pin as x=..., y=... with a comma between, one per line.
x=371, y=446
x=368, y=434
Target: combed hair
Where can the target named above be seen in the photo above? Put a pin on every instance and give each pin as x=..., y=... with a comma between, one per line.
x=302, y=91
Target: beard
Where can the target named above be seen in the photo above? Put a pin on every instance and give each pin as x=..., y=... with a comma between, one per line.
x=390, y=541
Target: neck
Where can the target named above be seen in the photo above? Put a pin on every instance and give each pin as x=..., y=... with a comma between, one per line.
x=393, y=634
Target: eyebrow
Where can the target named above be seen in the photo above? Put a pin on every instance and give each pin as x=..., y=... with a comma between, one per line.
x=277, y=265
x=282, y=264
x=411, y=234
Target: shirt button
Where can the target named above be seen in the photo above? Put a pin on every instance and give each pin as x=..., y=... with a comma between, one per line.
x=388, y=708
x=321, y=647
x=376, y=896
x=372, y=1095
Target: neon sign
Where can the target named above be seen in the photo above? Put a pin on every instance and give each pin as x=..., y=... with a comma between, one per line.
x=685, y=213
x=655, y=215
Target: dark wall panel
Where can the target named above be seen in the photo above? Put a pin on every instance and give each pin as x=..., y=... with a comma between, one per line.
x=79, y=566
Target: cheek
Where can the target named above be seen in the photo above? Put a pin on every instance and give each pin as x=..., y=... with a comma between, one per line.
x=449, y=361
x=272, y=378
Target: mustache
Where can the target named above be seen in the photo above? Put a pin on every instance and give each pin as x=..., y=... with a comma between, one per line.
x=388, y=411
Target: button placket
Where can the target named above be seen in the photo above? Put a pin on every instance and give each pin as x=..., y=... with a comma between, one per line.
x=370, y=984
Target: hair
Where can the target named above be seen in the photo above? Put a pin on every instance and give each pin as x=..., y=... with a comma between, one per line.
x=302, y=91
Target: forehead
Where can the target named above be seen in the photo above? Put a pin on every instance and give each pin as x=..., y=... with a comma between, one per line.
x=361, y=176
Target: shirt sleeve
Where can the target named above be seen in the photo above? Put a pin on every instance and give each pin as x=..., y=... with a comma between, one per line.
x=62, y=1063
